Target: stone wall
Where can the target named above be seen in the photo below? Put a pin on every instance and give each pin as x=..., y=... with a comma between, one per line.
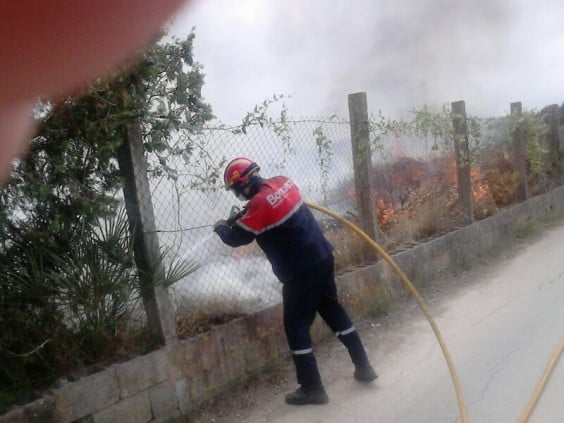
x=172, y=381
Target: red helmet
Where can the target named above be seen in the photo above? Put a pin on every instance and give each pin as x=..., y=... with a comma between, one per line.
x=239, y=170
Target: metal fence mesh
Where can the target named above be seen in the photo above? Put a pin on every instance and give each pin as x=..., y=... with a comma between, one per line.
x=414, y=183
x=316, y=154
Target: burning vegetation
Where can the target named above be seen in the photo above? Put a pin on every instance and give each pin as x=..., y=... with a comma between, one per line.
x=406, y=187
x=417, y=199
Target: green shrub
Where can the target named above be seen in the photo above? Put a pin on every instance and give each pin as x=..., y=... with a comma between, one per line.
x=62, y=310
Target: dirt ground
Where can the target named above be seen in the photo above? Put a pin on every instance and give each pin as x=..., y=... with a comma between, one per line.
x=262, y=398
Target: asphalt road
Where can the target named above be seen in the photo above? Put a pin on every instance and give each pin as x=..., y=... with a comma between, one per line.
x=501, y=322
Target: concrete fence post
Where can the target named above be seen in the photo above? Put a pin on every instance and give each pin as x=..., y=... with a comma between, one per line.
x=362, y=162
x=463, y=164
x=157, y=303
x=520, y=153
x=554, y=142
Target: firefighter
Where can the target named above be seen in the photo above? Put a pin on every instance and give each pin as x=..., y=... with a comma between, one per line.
x=302, y=259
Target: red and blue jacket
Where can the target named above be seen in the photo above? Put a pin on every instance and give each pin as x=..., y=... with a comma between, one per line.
x=283, y=227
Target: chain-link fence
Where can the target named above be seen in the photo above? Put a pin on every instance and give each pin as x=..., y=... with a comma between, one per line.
x=414, y=181
x=316, y=154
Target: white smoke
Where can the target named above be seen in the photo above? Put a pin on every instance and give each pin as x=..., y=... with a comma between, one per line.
x=404, y=53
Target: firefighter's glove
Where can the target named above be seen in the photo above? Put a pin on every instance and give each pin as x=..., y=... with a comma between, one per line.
x=219, y=224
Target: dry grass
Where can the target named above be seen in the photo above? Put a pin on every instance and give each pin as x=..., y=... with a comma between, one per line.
x=193, y=322
x=485, y=206
x=348, y=248
x=503, y=185
x=430, y=218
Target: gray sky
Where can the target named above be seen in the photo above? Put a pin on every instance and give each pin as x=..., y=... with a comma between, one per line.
x=403, y=53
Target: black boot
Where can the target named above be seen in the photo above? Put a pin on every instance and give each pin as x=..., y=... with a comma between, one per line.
x=363, y=370
x=305, y=395
x=354, y=346
x=365, y=373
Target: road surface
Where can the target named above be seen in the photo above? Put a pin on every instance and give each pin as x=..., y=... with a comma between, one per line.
x=501, y=321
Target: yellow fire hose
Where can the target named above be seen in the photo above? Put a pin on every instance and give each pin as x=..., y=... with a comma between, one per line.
x=411, y=289
x=542, y=383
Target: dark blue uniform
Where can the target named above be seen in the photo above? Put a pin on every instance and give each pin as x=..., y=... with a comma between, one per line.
x=302, y=259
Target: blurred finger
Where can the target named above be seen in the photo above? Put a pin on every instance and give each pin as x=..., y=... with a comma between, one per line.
x=16, y=125
x=52, y=46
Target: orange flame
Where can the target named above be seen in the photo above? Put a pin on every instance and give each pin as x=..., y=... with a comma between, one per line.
x=419, y=185
x=384, y=210
x=479, y=186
